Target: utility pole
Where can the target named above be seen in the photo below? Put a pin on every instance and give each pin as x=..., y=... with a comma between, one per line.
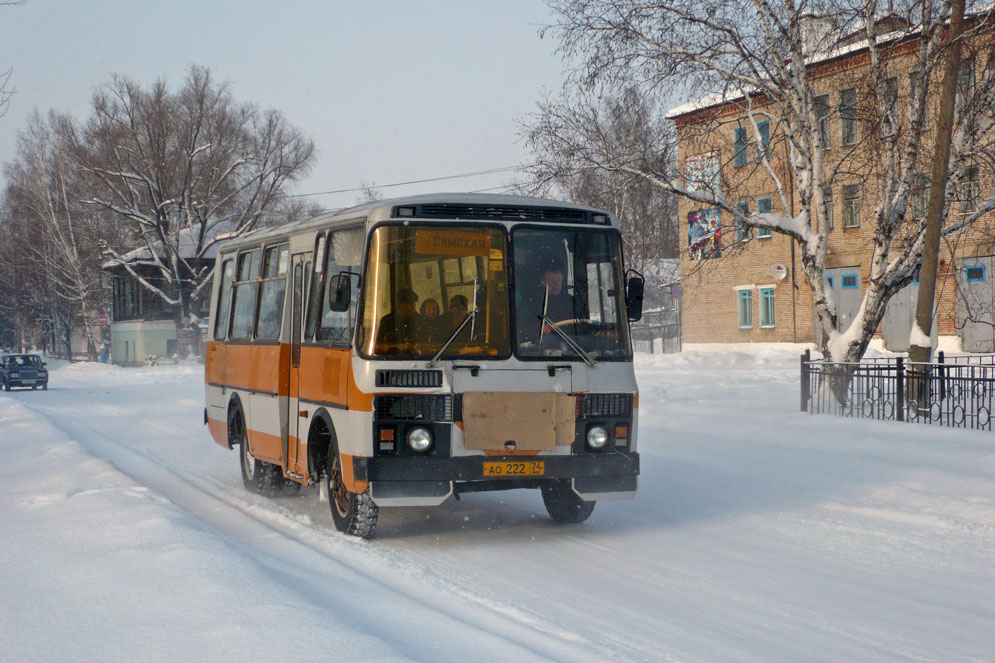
x=937, y=191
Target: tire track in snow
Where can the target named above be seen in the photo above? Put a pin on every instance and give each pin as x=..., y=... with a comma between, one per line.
x=188, y=493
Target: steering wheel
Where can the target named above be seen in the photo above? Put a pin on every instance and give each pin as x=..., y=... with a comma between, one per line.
x=576, y=321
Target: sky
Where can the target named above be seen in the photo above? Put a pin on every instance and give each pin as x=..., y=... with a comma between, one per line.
x=389, y=91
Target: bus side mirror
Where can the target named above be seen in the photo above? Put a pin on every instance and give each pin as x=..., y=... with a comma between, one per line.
x=339, y=292
x=634, y=297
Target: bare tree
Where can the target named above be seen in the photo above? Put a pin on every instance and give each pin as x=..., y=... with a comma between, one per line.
x=44, y=191
x=765, y=60
x=369, y=193
x=590, y=150
x=181, y=171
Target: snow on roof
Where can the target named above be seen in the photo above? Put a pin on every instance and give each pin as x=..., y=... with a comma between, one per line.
x=187, y=244
x=844, y=47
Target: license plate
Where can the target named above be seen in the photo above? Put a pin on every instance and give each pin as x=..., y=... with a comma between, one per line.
x=27, y=380
x=526, y=468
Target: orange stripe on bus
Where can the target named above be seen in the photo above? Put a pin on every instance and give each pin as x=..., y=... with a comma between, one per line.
x=266, y=447
x=256, y=367
x=349, y=478
x=219, y=431
x=325, y=374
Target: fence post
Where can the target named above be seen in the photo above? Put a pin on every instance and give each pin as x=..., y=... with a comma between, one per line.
x=805, y=381
x=942, y=375
x=900, y=389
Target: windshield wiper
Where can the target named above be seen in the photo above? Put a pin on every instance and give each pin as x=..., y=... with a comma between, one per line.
x=435, y=360
x=544, y=320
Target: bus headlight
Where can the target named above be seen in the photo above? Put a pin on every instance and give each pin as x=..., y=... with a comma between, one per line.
x=597, y=437
x=419, y=439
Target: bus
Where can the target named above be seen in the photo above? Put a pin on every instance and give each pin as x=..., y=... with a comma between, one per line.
x=404, y=351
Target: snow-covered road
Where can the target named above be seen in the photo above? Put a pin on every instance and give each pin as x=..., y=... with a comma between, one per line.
x=759, y=534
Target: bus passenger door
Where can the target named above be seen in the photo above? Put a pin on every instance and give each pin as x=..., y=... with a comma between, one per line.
x=301, y=268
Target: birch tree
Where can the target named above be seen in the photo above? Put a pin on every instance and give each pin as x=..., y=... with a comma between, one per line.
x=60, y=237
x=763, y=58
x=182, y=171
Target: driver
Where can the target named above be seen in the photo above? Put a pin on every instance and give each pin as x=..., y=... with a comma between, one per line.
x=402, y=324
x=559, y=307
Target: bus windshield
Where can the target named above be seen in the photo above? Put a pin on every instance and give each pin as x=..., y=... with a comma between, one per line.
x=421, y=284
x=570, y=279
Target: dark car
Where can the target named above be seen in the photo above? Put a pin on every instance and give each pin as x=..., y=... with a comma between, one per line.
x=23, y=371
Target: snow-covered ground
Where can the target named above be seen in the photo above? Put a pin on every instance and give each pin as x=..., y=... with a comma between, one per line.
x=759, y=534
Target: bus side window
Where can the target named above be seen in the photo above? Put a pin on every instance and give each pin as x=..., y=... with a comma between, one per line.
x=224, y=301
x=345, y=250
x=274, y=286
x=315, y=289
x=307, y=285
x=244, y=295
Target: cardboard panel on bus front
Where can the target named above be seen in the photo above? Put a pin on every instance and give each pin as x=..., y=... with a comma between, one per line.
x=534, y=421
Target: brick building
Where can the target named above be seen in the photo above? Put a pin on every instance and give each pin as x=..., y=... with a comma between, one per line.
x=747, y=285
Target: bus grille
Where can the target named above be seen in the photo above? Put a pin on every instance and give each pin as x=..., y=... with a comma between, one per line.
x=420, y=379
x=413, y=407
x=596, y=406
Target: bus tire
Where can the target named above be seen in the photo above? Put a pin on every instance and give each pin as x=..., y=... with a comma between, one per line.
x=258, y=476
x=354, y=514
x=564, y=505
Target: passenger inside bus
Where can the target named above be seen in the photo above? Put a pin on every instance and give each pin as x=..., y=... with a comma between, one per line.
x=401, y=325
x=458, y=309
x=433, y=326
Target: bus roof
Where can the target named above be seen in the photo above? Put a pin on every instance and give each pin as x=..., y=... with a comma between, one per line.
x=442, y=206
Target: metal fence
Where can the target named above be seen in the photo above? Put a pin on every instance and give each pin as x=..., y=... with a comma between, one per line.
x=659, y=330
x=952, y=391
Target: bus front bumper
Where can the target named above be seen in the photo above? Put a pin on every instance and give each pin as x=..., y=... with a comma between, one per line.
x=427, y=481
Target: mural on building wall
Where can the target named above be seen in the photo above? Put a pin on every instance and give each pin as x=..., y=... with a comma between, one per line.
x=704, y=234
x=702, y=172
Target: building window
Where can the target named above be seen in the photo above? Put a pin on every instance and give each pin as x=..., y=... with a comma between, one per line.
x=975, y=273
x=965, y=85
x=742, y=231
x=919, y=200
x=851, y=206
x=969, y=190
x=745, y=309
x=827, y=195
x=741, y=156
x=766, y=307
x=848, y=116
x=913, y=93
x=764, y=129
x=763, y=207
x=890, y=120
x=822, y=117
x=849, y=282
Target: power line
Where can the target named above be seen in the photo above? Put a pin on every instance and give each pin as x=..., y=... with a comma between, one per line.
x=431, y=179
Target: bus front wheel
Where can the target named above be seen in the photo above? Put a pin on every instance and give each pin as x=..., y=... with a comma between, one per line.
x=564, y=505
x=354, y=513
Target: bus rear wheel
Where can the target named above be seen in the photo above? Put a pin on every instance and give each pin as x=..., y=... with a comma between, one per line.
x=354, y=514
x=258, y=476
x=564, y=505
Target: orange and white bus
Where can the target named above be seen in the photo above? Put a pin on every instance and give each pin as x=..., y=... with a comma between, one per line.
x=408, y=350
